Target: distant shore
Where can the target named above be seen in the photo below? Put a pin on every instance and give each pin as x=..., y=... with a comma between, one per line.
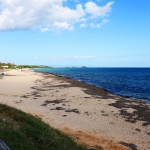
x=91, y=115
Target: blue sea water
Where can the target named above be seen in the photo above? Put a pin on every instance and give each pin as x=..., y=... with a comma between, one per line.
x=131, y=82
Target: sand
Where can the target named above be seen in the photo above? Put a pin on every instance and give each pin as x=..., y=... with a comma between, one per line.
x=92, y=116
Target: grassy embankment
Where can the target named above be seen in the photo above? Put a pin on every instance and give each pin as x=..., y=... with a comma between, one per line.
x=22, y=131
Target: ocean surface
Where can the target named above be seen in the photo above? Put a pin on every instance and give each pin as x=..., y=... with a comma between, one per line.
x=130, y=82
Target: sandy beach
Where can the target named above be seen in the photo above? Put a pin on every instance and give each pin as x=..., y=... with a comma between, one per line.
x=92, y=116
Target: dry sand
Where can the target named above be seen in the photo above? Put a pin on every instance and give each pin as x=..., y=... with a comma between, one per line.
x=91, y=115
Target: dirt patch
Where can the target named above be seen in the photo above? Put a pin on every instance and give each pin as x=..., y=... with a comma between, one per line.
x=94, y=142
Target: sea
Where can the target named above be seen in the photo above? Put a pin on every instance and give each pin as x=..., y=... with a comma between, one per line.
x=128, y=82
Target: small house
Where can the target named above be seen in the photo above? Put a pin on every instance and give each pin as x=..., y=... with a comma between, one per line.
x=4, y=67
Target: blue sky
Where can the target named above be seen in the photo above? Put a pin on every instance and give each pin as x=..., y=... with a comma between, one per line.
x=98, y=33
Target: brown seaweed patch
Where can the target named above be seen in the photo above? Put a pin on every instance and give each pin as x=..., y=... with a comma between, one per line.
x=24, y=96
x=53, y=102
x=41, y=88
x=38, y=95
x=58, y=108
x=86, y=113
x=105, y=115
x=130, y=145
x=73, y=110
x=130, y=117
x=35, y=93
x=141, y=110
x=137, y=129
x=17, y=102
x=44, y=105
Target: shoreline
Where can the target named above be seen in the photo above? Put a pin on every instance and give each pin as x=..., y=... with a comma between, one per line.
x=96, y=91
x=125, y=96
x=91, y=115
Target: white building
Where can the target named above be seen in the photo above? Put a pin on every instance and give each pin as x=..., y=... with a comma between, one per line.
x=4, y=67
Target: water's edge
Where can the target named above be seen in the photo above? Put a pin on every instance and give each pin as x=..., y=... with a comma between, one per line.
x=66, y=77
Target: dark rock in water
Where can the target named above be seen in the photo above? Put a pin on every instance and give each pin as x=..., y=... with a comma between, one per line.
x=3, y=146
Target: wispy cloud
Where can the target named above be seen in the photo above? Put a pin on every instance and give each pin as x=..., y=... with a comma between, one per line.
x=49, y=14
x=83, y=57
x=91, y=25
x=94, y=25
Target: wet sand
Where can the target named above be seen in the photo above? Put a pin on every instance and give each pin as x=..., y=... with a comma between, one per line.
x=91, y=115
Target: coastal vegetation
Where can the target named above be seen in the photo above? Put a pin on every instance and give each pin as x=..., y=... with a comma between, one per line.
x=21, y=131
x=32, y=66
x=7, y=65
x=13, y=66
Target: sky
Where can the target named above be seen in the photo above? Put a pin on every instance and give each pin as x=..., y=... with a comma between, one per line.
x=74, y=33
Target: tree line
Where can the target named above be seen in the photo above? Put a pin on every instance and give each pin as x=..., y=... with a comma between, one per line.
x=13, y=66
x=7, y=65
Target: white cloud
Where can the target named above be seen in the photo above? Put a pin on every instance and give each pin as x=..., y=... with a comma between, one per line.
x=63, y=25
x=98, y=11
x=47, y=14
x=44, y=29
x=91, y=25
